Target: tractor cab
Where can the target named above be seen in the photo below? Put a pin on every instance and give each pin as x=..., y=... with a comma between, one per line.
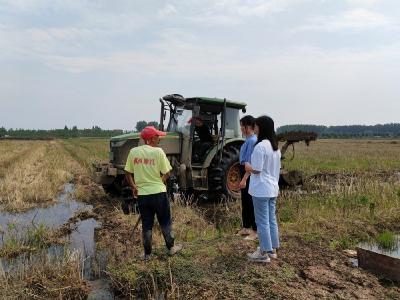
x=203, y=122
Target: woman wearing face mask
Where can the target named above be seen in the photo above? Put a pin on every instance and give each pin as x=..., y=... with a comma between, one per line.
x=264, y=168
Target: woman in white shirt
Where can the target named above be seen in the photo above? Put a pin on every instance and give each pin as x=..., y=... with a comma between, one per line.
x=264, y=168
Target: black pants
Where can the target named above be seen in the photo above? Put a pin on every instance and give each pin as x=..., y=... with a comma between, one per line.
x=200, y=149
x=150, y=205
x=247, y=204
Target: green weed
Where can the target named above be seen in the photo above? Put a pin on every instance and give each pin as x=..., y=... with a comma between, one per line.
x=34, y=239
x=387, y=240
x=343, y=243
x=364, y=200
x=286, y=214
x=288, y=272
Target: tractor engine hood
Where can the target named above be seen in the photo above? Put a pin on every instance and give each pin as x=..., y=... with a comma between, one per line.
x=136, y=136
x=122, y=144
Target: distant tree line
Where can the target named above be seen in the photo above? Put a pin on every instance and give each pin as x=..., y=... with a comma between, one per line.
x=95, y=131
x=72, y=132
x=347, y=131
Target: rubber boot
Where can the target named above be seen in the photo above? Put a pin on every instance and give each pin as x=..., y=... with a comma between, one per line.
x=147, y=240
x=168, y=237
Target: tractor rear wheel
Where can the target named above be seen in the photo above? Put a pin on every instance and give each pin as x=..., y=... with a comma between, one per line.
x=224, y=178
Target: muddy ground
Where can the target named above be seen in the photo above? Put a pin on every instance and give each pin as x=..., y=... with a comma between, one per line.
x=218, y=269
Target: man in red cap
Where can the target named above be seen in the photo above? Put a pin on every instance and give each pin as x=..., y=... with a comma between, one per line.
x=147, y=169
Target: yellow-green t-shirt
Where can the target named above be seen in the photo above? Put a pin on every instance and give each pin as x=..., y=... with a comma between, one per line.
x=147, y=164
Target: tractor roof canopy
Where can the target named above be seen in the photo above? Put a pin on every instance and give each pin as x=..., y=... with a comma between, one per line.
x=206, y=104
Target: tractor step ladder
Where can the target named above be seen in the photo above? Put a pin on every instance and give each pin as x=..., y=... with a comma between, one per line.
x=199, y=177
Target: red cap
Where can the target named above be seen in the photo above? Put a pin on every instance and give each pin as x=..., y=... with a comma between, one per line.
x=149, y=131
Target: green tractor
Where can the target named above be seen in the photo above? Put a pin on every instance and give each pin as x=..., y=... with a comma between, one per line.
x=213, y=174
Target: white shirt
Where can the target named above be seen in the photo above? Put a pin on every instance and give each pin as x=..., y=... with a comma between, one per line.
x=268, y=162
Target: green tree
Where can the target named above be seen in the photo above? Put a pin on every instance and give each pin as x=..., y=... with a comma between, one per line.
x=3, y=131
x=153, y=123
x=75, y=132
x=140, y=125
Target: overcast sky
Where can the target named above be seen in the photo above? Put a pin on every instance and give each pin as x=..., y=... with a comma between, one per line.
x=106, y=63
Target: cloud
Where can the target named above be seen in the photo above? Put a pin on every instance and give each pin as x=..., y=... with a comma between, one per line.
x=363, y=2
x=97, y=38
x=232, y=12
x=179, y=56
x=254, y=8
x=20, y=5
x=167, y=11
x=32, y=43
x=173, y=51
x=40, y=35
x=356, y=19
x=89, y=31
x=38, y=6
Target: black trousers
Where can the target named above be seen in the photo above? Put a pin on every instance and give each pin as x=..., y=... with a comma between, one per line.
x=150, y=205
x=247, y=204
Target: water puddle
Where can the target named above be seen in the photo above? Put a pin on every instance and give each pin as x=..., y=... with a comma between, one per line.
x=101, y=290
x=52, y=216
x=374, y=247
x=81, y=239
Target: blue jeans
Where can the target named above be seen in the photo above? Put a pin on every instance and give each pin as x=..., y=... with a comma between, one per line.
x=267, y=226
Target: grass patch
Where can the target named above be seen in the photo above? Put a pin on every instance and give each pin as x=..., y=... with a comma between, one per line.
x=387, y=240
x=288, y=272
x=343, y=243
x=286, y=215
x=345, y=156
x=34, y=239
x=87, y=151
x=46, y=278
x=38, y=177
x=157, y=278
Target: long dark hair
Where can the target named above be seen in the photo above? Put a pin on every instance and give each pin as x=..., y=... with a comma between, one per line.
x=266, y=131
